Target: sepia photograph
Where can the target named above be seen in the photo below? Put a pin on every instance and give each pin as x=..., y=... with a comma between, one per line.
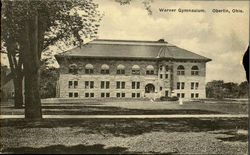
x=124, y=77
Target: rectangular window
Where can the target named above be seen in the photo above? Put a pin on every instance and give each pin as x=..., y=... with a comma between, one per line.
x=91, y=84
x=171, y=76
x=118, y=95
x=160, y=88
x=118, y=85
x=138, y=85
x=123, y=85
x=192, y=95
x=75, y=84
x=197, y=95
x=123, y=94
x=75, y=94
x=70, y=94
x=70, y=84
x=86, y=94
x=160, y=76
x=89, y=71
x=102, y=94
x=133, y=85
x=138, y=94
x=192, y=85
x=196, y=85
x=182, y=95
x=118, y=72
x=133, y=95
x=136, y=72
x=107, y=94
x=178, y=95
x=86, y=84
x=92, y=95
x=178, y=85
x=166, y=76
x=122, y=71
x=107, y=84
x=102, y=84
x=182, y=85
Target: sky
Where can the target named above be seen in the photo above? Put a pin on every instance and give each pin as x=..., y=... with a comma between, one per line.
x=222, y=37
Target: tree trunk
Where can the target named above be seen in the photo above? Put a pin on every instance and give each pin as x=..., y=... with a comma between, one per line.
x=18, y=86
x=31, y=70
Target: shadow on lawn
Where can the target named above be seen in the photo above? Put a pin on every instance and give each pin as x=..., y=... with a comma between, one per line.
x=61, y=149
x=132, y=127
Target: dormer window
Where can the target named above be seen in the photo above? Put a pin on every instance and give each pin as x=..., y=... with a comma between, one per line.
x=104, y=69
x=136, y=70
x=73, y=69
x=150, y=70
x=120, y=69
x=89, y=69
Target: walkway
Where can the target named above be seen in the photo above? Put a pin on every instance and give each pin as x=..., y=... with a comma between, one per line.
x=132, y=116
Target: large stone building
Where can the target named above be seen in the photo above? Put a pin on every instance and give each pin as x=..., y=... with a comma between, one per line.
x=130, y=69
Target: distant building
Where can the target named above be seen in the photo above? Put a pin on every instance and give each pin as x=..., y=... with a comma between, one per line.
x=130, y=69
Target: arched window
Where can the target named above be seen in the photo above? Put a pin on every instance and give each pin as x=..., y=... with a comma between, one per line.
x=195, y=70
x=73, y=69
x=180, y=70
x=150, y=70
x=136, y=70
x=89, y=69
x=120, y=69
x=104, y=69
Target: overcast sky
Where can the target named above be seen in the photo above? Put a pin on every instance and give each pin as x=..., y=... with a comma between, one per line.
x=223, y=37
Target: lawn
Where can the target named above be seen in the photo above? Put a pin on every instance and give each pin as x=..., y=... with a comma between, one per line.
x=113, y=136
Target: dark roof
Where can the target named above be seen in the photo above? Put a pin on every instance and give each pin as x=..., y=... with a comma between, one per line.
x=131, y=49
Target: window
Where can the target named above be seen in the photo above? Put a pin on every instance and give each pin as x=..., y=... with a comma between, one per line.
x=89, y=69
x=180, y=70
x=192, y=95
x=178, y=95
x=182, y=95
x=92, y=95
x=123, y=94
x=138, y=94
x=196, y=85
x=123, y=85
x=107, y=94
x=135, y=85
x=197, y=95
x=195, y=71
x=120, y=69
x=91, y=84
x=118, y=95
x=102, y=94
x=104, y=69
x=73, y=69
x=86, y=84
x=75, y=94
x=160, y=88
x=192, y=85
x=149, y=70
x=103, y=84
x=166, y=76
x=133, y=95
x=180, y=85
x=160, y=76
x=70, y=84
x=136, y=70
x=118, y=85
x=86, y=94
x=167, y=68
x=161, y=67
x=70, y=94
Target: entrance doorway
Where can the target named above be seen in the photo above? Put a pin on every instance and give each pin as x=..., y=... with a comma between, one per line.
x=149, y=88
x=166, y=93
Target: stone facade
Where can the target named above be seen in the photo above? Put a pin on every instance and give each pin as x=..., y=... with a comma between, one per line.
x=165, y=80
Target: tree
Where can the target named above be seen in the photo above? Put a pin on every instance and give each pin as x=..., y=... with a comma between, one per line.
x=44, y=23
x=243, y=89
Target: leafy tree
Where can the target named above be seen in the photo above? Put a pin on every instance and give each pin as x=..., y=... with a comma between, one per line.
x=243, y=89
x=39, y=24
